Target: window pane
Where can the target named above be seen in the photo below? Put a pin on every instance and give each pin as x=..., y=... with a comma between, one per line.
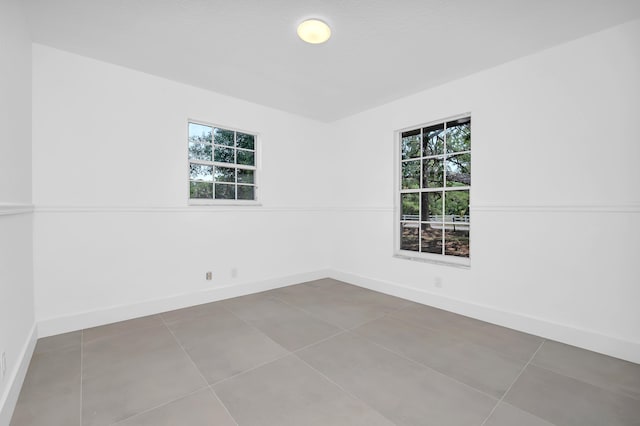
x=225, y=191
x=456, y=206
x=223, y=137
x=409, y=236
x=432, y=238
x=410, y=144
x=459, y=135
x=433, y=173
x=245, y=176
x=411, y=174
x=225, y=174
x=200, y=190
x=200, y=151
x=433, y=140
x=244, y=140
x=410, y=206
x=201, y=172
x=224, y=155
x=246, y=192
x=456, y=243
x=246, y=158
x=459, y=170
x=199, y=133
x=432, y=206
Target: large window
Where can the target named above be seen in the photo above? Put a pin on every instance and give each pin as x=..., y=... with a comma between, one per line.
x=433, y=195
x=222, y=165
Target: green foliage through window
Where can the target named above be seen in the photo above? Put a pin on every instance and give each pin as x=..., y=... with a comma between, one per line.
x=435, y=184
x=222, y=163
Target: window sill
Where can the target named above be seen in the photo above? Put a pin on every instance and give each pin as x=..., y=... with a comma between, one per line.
x=223, y=203
x=456, y=263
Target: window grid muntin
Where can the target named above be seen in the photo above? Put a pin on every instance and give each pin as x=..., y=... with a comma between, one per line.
x=215, y=164
x=444, y=189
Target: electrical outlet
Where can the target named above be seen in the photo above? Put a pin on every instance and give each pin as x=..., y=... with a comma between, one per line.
x=3, y=365
x=234, y=272
x=209, y=276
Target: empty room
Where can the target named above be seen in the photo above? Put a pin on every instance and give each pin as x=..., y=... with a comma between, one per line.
x=283, y=212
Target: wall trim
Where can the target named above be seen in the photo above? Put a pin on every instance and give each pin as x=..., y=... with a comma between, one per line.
x=481, y=207
x=364, y=209
x=7, y=209
x=16, y=378
x=556, y=208
x=82, y=320
x=253, y=208
x=587, y=339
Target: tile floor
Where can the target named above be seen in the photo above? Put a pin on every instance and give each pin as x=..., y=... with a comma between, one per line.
x=320, y=353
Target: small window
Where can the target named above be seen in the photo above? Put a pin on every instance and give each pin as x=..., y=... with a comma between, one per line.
x=434, y=184
x=222, y=165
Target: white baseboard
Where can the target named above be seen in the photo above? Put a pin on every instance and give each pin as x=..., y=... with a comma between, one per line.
x=82, y=320
x=586, y=339
x=16, y=378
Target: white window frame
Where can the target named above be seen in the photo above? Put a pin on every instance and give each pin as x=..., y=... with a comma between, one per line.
x=443, y=259
x=256, y=168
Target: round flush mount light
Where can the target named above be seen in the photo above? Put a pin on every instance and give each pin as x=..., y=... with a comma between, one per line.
x=314, y=31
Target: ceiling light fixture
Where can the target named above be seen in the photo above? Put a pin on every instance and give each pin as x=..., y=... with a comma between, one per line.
x=314, y=31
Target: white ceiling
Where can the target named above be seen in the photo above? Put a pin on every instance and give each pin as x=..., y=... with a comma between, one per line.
x=379, y=51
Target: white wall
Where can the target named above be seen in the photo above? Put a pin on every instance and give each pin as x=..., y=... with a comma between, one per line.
x=555, y=199
x=16, y=277
x=113, y=230
x=554, y=202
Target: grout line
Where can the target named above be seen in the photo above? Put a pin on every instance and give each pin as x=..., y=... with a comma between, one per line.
x=319, y=341
x=513, y=383
x=618, y=392
x=185, y=352
x=413, y=361
x=342, y=388
x=452, y=336
x=223, y=406
x=288, y=352
x=537, y=416
x=308, y=313
x=254, y=328
x=216, y=383
x=81, y=368
x=384, y=315
x=208, y=385
x=160, y=405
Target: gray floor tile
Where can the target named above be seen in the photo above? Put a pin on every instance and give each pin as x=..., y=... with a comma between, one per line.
x=565, y=401
x=288, y=392
x=288, y=326
x=321, y=283
x=110, y=330
x=198, y=409
x=512, y=343
x=600, y=370
x=150, y=370
x=60, y=342
x=222, y=345
x=401, y=390
x=362, y=295
x=128, y=373
x=191, y=312
x=475, y=365
x=508, y=415
x=50, y=394
x=334, y=307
